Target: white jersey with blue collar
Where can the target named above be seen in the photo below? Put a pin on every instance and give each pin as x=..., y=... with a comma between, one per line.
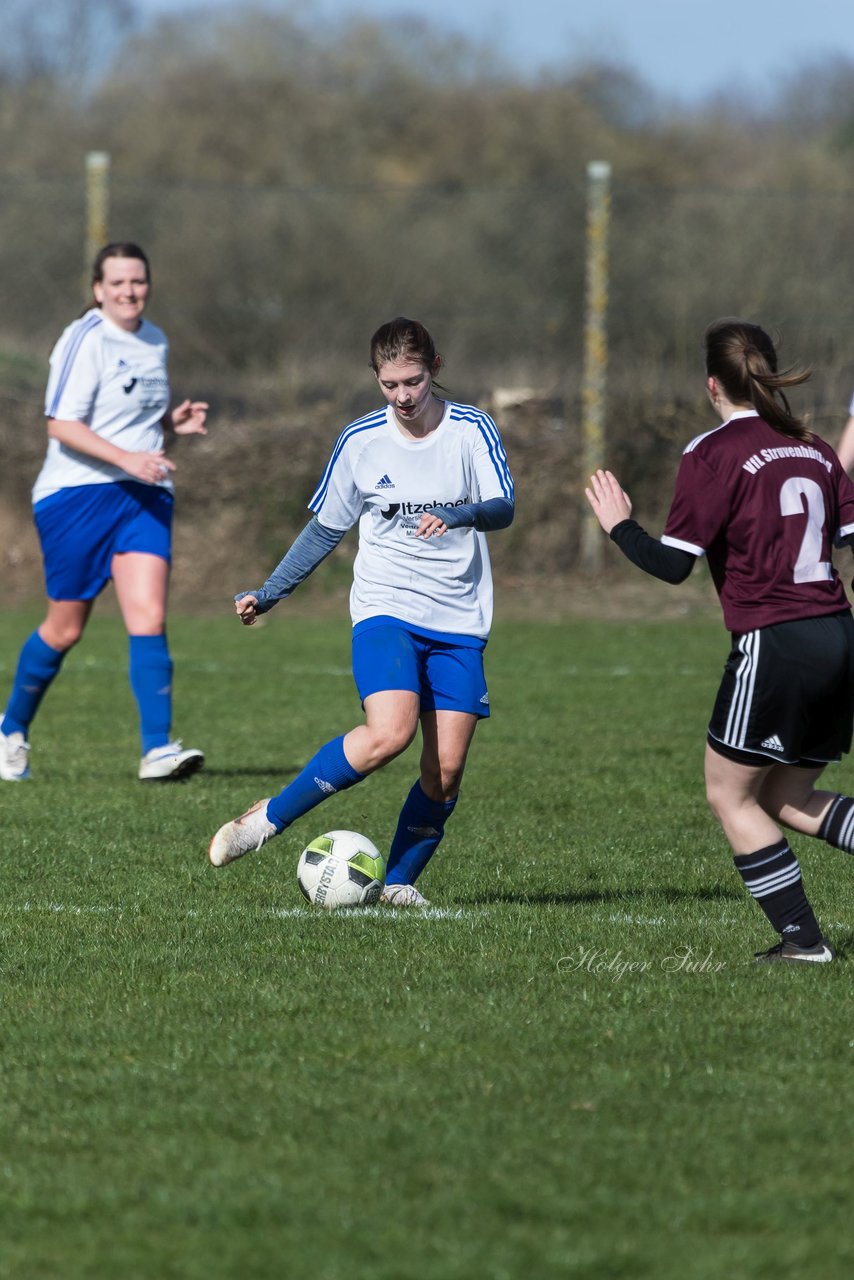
x=114, y=381
x=386, y=481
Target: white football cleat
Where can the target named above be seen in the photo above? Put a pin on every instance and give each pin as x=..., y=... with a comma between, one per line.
x=247, y=833
x=169, y=763
x=786, y=952
x=14, y=766
x=402, y=895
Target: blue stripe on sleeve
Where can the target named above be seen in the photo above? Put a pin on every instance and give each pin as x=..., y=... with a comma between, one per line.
x=489, y=431
x=72, y=350
x=371, y=420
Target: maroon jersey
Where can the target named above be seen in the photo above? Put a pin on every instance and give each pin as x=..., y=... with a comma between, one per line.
x=765, y=509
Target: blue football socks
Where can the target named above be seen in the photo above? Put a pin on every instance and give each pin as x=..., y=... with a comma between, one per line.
x=326, y=773
x=151, y=681
x=38, y=664
x=420, y=829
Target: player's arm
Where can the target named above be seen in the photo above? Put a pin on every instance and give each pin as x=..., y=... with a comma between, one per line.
x=670, y=564
x=612, y=507
x=494, y=513
x=309, y=549
x=845, y=448
x=76, y=435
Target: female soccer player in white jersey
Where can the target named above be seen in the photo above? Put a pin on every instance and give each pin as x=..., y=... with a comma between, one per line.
x=425, y=478
x=764, y=499
x=103, y=508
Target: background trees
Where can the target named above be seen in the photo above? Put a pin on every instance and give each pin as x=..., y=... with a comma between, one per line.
x=297, y=184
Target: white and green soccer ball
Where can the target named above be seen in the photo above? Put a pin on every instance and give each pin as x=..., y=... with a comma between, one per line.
x=341, y=869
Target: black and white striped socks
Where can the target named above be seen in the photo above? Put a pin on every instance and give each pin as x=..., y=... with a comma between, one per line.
x=838, y=826
x=773, y=877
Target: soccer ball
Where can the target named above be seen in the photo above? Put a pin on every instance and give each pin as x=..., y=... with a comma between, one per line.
x=341, y=869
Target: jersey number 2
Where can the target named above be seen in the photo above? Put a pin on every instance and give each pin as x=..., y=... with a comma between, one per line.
x=809, y=567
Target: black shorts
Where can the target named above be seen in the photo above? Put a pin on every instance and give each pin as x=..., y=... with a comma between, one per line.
x=787, y=693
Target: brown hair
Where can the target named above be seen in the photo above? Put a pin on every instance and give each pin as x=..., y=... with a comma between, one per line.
x=743, y=359
x=118, y=250
x=402, y=339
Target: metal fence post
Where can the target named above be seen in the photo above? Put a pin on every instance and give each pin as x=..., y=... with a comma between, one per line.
x=595, y=350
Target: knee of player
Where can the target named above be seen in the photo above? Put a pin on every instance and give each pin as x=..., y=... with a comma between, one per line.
x=62, y=636
x=439, y=781
x=145, y=618
x=388, y=741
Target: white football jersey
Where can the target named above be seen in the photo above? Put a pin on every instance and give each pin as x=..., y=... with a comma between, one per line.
x=114, y=381
x=386, y=481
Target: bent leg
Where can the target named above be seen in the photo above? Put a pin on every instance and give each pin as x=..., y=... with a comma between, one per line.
x=762, y=857
x=391, y=721
x=447, y=736
x=40, y=659
x=65, y=623
x=733, y=792
x=788, y=795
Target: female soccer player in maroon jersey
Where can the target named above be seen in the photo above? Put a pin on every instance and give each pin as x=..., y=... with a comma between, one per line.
x=764, y=499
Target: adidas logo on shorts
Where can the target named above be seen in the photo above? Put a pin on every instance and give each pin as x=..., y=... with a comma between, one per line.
x=773, y=743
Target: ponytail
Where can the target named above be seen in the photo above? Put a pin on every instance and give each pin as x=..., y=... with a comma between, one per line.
x=742, y=357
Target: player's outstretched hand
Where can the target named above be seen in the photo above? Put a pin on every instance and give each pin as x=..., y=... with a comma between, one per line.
x=189, y=417
x=607, y=498
x=245, y=608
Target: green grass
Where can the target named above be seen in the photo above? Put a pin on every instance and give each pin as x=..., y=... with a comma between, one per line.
x=568, y=1068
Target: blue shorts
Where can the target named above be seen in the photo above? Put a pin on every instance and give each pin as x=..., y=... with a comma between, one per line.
x=447, y=676
x=81, y=529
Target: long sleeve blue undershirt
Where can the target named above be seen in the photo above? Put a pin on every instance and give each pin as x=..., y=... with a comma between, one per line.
x=316, y=542
x=495, y=513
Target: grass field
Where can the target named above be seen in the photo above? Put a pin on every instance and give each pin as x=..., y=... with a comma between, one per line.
x=567, y=1068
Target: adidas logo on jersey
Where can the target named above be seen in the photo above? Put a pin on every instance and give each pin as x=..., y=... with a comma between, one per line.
x=773, y=743
x=384, y=483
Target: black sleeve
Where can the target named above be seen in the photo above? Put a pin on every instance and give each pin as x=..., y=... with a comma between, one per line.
x=671, y=564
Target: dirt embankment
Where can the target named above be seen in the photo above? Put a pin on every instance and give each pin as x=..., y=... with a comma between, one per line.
x=241, y=499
